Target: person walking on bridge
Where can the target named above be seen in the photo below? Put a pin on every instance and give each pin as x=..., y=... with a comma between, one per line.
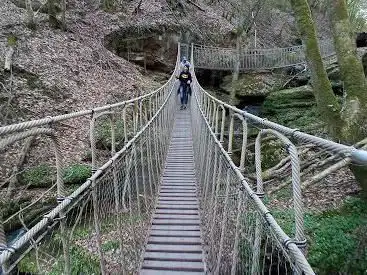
x=185, y=81
x=184, y=63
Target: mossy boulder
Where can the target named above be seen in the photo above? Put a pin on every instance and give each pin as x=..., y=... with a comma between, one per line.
x=44, y=175
x=250, y=84
x=295, y=108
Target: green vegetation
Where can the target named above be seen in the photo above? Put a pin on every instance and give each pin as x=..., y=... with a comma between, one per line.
x=82, y=262
x=39, y=176
x=294, y=108
x=103, y=133
x=77, y=173
x=44, y=175
x=110, y=245
x=336, y=238
x=12, y=40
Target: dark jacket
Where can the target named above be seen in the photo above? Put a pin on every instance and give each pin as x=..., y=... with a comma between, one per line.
x=184, y=77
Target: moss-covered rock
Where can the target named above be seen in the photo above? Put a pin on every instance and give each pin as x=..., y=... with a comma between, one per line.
x=44, y=175
x=295, y=108
x=251, y=84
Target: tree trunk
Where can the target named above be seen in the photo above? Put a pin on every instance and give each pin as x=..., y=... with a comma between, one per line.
x=354, y=112
x=30, y=14
x=52, y=14
x=63, y=18
x=236, y=69
x=17, y=168
x=327, y=104
x=9, y=59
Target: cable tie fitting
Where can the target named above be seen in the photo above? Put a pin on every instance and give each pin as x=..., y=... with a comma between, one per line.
x=49, y=219
x=260, y=195
x=60, y=199
x=287, y=242
x=7, y=248
x=294, y=131
x=301, y=244
x=287, y=146
x=51, y=120
x=60, y=218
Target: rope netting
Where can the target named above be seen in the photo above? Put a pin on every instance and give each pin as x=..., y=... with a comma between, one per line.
x=101, y=225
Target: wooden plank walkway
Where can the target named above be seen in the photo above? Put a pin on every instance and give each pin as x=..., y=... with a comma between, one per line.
x=175, y=243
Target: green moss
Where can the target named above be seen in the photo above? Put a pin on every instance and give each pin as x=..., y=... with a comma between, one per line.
x=294, y=108
x=336, y=239
x=110, y=245
x=77, y=173
x=271, y=153
x=12, y=40
x=103, y=133
x=42, y=175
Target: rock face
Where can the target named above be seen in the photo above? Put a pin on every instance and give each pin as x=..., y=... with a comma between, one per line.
x=361, y=40
x=155, y=50
x=364, y=62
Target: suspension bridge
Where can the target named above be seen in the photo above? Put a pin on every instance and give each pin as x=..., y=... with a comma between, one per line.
x=168, y=199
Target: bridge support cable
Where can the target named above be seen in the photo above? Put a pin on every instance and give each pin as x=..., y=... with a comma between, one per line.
x=101, y=226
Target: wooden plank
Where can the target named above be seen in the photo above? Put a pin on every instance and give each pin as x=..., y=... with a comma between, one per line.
x=192, y=257
x=174, y=240
x=174, y=248
x=167, y=203
x=175, y=222
x=173, y=216
x=176, y=227
x=173, y=211
x=193, y=199
x=172, y=233
x=165, y=272
x=174, y=265
x=177, y=207
x=177, y=195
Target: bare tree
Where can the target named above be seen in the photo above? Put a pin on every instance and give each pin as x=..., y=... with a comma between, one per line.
x=30, y=14
x=242, y=14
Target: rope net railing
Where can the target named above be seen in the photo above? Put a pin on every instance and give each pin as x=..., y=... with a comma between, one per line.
x=241, y=235
x=99, y=226
x=215, y=58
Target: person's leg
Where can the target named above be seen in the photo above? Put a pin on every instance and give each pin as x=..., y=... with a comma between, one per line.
x=186, y=95
x=182, y=90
